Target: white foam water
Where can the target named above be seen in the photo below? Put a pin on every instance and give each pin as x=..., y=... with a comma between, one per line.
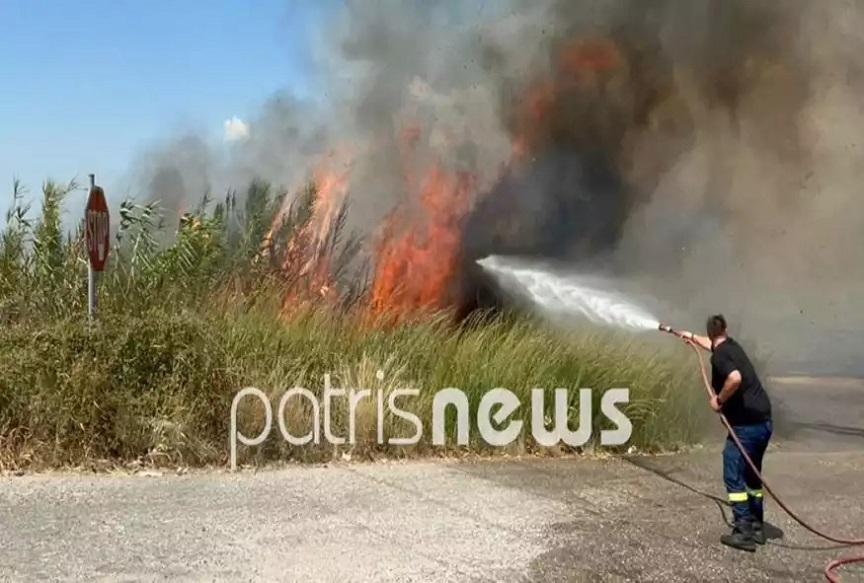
x=571, y=294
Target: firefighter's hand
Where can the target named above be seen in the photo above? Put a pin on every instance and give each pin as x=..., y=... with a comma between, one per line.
x=715, y=404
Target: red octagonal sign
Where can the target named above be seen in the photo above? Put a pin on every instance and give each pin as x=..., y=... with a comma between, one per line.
x=97, y=228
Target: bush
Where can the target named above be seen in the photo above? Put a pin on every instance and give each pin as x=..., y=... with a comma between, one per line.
x=184, y=324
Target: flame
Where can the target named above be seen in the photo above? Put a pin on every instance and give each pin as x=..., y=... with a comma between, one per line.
x=417, y=252
x=307, y=260
x=415, y=269
x=181, y=216
x=585, y=59
x=580, y=65
x=331, y=186
x=330, y=191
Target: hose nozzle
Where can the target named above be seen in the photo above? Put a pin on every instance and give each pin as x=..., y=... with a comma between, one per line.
x=669, y=329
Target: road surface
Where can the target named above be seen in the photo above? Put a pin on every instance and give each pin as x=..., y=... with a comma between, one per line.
x=641, y=519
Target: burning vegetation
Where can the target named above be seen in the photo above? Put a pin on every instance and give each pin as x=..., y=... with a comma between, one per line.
x=559, y=132
x=649, y=137
x=565, y=191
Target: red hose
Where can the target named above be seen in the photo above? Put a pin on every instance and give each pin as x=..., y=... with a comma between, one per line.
x=830, y=567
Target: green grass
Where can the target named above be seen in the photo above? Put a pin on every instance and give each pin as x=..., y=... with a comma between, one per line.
x=186, y=320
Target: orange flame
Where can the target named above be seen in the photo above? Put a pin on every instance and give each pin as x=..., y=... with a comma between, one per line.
x=415, y=270
x=306, y=261
x=417, y=253
x=586, y=58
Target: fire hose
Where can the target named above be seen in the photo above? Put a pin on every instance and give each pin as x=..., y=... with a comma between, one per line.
x=830, y=575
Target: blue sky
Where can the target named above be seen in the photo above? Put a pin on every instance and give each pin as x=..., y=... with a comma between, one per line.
x=84, y=86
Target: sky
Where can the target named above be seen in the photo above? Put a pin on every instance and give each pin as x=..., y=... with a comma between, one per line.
x=86, y=86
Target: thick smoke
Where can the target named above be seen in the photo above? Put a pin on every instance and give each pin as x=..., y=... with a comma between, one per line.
x=706, y=149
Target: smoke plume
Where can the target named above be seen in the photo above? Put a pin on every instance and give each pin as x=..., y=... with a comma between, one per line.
x=707, y=149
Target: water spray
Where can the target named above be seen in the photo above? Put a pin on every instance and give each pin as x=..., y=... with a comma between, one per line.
x=601, y=305
x=589, y=296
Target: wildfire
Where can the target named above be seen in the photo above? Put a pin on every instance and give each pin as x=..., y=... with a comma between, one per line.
x=416, y=257
x=580, y=65
x=584, y=59
x=307, y=260
x=414, y=270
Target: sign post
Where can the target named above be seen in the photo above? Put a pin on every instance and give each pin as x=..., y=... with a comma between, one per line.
x=97, y=231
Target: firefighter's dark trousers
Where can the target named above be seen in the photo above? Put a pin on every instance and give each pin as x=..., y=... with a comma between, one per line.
x=742, y=485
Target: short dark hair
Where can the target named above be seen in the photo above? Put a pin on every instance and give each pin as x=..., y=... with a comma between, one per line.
x=716, y=325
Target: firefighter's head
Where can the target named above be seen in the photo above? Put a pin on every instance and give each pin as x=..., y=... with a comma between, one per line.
x=715, y=327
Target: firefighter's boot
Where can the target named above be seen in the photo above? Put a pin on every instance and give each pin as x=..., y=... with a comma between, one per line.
x=757, y=511
x=759, y=535
x=741, y=537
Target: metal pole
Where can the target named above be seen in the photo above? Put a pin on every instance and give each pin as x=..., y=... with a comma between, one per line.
x=91, y=274
x=91, y=292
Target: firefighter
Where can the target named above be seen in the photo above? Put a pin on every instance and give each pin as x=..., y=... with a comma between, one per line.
x=740, y=396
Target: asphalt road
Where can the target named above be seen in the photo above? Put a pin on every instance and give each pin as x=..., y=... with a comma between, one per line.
x=640, y=519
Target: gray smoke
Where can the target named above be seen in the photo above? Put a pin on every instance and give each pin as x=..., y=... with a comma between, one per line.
x=716, y=164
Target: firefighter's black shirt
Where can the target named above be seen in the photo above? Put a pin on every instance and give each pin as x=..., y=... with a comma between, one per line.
x=750, y=403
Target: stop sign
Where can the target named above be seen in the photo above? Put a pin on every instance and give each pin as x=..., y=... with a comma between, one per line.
x=97, y=228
